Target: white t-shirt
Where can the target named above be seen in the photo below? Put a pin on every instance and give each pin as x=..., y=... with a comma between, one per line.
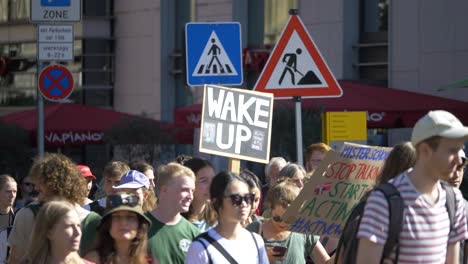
x=242, y=250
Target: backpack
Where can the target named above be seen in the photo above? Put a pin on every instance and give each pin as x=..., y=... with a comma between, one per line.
x=4, y=234
x=346, y=251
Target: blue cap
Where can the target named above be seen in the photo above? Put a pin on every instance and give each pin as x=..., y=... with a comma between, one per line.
x=133, y=180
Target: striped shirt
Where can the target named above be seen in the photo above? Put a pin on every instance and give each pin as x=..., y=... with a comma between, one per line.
x=426, y=226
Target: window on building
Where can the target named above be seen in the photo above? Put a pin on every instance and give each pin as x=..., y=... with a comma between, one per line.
x=19, y=9
x=276, y=15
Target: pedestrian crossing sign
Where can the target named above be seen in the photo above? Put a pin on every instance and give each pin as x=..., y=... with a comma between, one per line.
x=296, y=67
x=213, y=53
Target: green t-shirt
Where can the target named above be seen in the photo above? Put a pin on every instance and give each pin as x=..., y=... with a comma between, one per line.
x=170, y=243
x=88, y=232
x=299, y=245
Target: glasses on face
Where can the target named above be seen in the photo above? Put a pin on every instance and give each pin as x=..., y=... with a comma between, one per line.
x=237, y=199
x=115, y=200
x=277, y=218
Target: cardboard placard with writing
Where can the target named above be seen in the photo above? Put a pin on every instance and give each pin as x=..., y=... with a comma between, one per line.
x=236, y=123
x=335, y=187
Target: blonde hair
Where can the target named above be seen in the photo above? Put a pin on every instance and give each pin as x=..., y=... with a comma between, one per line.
x=166, y=173
x=49, y=215
x=283, y=193
x=4, y=178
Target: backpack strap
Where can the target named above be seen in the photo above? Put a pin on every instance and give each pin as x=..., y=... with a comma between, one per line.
x=96, y=207
x=34, y=208
x=450, y=203
x=396, y=208
x=218, y=246
x=204, y=246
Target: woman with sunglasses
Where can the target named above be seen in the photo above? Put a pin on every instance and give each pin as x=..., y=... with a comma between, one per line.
x=201, y=213
x=55, y=236
x=283, y=246
x=228, y=242
x=122, y=233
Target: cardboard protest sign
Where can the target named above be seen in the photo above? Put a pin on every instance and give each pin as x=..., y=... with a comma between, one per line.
x=333, y=190
x=236, y=123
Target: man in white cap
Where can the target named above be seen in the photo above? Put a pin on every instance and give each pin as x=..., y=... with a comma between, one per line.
x=427, y=234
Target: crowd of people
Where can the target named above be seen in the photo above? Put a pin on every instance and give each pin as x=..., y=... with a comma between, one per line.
x=187, y=211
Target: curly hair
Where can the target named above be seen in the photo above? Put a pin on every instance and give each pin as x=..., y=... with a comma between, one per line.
x=60, y=177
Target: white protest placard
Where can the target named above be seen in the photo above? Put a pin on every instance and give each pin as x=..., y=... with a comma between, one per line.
x=236, y=123
x=335, y=188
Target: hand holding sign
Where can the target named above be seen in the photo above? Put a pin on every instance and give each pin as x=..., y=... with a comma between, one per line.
x=336, y=186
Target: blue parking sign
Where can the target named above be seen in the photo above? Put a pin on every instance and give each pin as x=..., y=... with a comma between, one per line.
x=55, y=2
x=213, y=53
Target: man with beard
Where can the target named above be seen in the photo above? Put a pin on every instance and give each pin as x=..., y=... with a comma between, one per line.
x=171, y=234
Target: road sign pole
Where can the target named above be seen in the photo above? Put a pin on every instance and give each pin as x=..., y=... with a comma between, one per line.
x=40, y=114
x=297, y=103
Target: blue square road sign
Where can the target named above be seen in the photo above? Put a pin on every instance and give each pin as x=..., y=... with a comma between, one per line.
x=55, y=2
x=214, y=53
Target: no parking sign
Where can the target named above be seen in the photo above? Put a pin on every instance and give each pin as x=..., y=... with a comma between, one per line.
x=55, y=83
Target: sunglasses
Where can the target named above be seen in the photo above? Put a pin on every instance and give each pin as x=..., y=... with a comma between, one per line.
x=29, y=184
x=237, y=199
x=116, y=200
x=277, y=218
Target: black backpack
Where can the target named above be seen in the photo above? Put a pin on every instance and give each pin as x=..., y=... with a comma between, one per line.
x=346, y=251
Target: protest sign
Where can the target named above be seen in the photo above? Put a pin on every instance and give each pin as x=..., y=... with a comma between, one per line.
x=236, y=123
x=333, y=190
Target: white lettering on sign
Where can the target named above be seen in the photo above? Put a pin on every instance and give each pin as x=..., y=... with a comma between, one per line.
x=225, y=105
x=73, y=137
x=376, y=117
x=240, y=132
x=235, y=108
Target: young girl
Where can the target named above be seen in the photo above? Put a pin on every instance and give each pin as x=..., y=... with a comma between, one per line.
x=232, y=201
x=282, y=245
x=56, y=235
x=122, y=234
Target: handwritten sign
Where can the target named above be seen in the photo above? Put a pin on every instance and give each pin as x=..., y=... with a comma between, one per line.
x=236, y=123
x=335, y=188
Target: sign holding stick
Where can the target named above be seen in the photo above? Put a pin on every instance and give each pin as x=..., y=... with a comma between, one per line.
x=336, y=186
x=236, y=123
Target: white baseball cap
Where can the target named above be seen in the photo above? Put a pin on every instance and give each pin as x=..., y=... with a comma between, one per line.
x=438, y=123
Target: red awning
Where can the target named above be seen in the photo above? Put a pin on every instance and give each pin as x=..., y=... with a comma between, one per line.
x=386, y=107
x=70, y=124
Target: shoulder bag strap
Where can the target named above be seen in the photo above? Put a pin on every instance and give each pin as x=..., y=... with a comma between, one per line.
x=218, y=246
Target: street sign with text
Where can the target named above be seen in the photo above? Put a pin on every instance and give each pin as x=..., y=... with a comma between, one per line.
x=55, y=11
x=55, y=43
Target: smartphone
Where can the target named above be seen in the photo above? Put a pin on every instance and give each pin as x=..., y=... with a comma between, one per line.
x=279, y=251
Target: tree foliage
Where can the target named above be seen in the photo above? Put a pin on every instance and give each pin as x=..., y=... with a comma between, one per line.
x=283, y=140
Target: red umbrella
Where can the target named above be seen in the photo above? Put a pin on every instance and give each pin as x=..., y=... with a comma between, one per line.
x=71, y=124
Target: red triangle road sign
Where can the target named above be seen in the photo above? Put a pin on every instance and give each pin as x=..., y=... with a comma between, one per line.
x=296, y=67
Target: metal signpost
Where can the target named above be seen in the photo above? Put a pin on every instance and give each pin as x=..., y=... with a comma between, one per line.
x=54, y=44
